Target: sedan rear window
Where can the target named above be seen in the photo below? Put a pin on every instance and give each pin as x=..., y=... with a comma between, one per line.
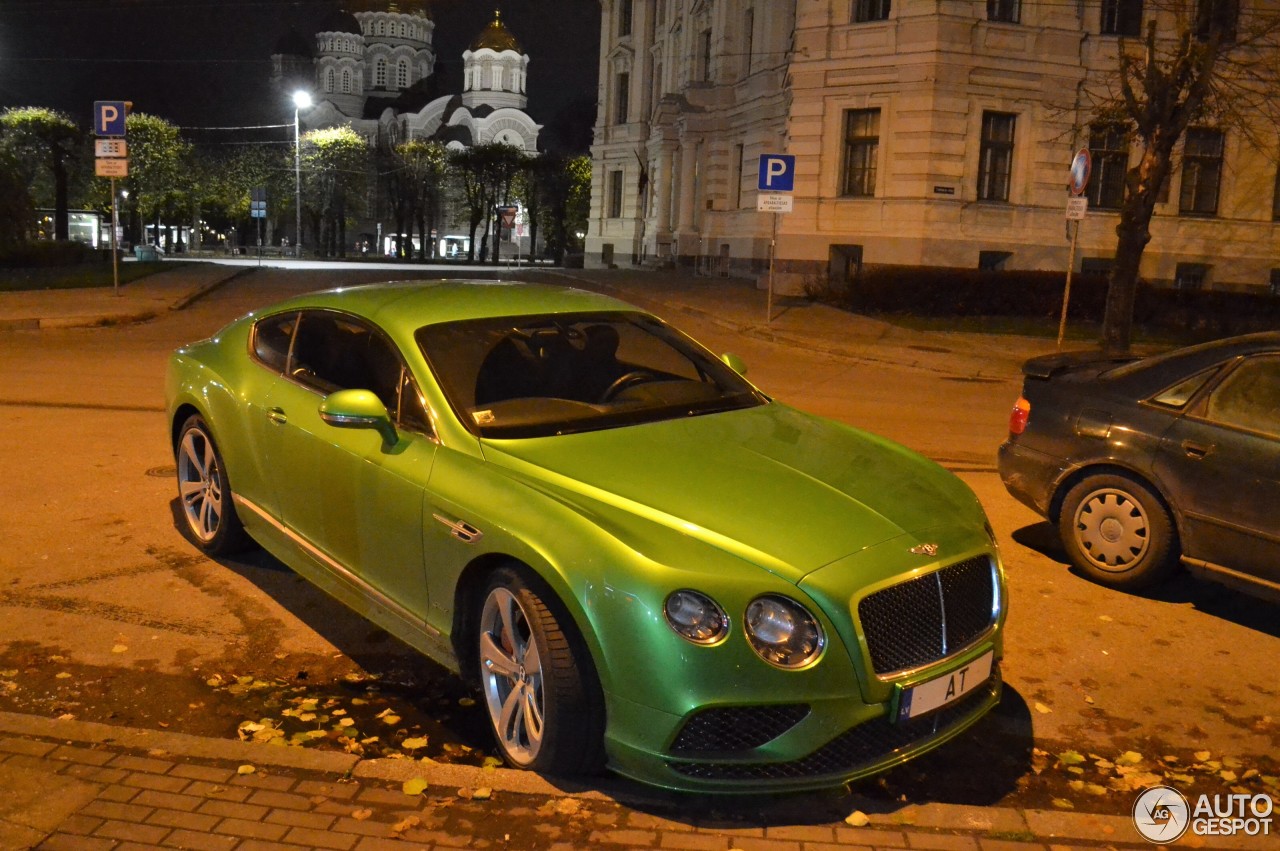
x=536, y=376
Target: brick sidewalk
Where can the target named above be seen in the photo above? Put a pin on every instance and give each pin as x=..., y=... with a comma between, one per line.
x=83, y=787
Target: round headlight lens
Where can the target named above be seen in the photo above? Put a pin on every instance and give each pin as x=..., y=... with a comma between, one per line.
x=783, y=632
x=696, y=617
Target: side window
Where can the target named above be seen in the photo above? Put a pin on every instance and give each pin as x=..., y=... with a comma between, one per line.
x=334, y=352
x=1180, y=394
x=271, y=339
x=1249, y=397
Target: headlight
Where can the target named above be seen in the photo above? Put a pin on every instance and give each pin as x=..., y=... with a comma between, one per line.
x=783, y=632
x=696, y=617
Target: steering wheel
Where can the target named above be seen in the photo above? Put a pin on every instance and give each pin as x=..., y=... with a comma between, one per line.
x=622, y=382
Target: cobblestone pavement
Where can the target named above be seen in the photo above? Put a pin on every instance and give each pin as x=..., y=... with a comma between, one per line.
x=82, y=786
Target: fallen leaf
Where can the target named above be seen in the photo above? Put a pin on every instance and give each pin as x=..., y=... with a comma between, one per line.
x=416, y=786
x=1088, y=700
x=570, y=807
x=1042, y=709
x=414, y=743
x=408, y=823
x=362, y=814
x=1201, y=756
x=1070, y=758
x=466, y=701
x=346, y=722
x=1106, y=618
x=390, y=720
x=492, y=762
x=120, y=648
x=246, y=769
x=63, y=675
x=1063, y=804
x=484, y=793
x=1129, y=758
x=1228, y=776
x=66, y=716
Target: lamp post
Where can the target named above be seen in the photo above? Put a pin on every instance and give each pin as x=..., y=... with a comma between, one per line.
x=301, y=100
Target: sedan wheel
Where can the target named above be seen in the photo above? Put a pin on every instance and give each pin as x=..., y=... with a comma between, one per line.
x=539, y=684
x=204, y=492
x=1118, y=532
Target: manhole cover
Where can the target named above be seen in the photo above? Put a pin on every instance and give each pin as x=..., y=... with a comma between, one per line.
x=163, y=472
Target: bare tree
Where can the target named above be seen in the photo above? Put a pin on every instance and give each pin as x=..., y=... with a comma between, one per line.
x=1205, y=63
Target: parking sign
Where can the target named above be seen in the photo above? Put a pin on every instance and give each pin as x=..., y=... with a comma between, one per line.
x=108, y=117
x=777, y=172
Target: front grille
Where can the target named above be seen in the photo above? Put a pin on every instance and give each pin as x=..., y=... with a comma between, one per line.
x=737, y=728
x=930, y=617
x=857, y=748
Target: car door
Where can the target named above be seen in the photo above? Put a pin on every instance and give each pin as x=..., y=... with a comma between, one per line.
x=1221, y=462
x=353, y=497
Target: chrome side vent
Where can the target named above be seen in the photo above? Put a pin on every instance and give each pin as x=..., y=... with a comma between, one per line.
x=461, y=530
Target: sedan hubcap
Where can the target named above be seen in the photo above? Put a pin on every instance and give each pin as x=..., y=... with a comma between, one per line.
x=1112, y=529
x=199, y=484
x=511, y=670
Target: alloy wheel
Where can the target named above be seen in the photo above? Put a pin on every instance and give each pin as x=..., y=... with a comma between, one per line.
x=511, y=670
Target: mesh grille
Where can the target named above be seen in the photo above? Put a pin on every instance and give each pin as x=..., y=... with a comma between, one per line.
x=737, y=728
x=859, y=747
x=903, y=624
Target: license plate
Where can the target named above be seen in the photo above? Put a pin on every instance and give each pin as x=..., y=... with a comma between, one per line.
x=948, y=688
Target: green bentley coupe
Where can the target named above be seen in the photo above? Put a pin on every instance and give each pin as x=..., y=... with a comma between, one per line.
x=641, y=561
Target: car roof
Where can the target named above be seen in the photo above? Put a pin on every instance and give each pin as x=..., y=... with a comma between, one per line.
x=405, y=306
x=1194, y=358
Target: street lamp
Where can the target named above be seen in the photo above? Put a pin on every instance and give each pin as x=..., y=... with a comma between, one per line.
x=301, y=100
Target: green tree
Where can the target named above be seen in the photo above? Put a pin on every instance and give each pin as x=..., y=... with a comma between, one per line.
x=487, y=174
x=1202, y=62
x=336, y=169
x=160, y=171
x=38, y=139
x=423, y=166
x=17, y=213
x=564, y=184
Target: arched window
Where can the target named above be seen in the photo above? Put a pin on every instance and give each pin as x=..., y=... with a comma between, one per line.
x=380, y=73
x=381, y=28
x=346, y=81
x=402, y=74
x=328, y=80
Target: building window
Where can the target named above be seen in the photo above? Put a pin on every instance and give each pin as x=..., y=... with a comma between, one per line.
x=993, y=261
x=624, y=18
x=615, y=194
x=1096, y=266
x=1217, y=17
x=1275, y=281
x=861, y=152
x=402, y=74
x=1201, y=172
x=995, y=160
x=704, y=56
x=1121, y=17
x=739, y=163
x=346, y=81
x=1005, y=11
x=748, y=40
x=328, y=80
x=1275, y=198
x=1190, y=276
x=382, y=28
x=1109, y=149
x=870, y=10
x=380, y=74
x=622, y=99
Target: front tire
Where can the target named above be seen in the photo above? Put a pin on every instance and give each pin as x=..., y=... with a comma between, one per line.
x=1117, y=532
x=538, y=681
x=205, y=493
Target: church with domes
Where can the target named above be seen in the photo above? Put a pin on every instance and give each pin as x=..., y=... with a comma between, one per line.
x=371, y=66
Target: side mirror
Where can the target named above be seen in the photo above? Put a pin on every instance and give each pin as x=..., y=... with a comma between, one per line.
x=357, y=409
x=734, y=362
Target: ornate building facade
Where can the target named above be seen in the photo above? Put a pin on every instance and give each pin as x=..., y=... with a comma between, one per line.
x=371, y=67
x=924, y=133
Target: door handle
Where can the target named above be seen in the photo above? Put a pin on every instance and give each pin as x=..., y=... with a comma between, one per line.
x=1196, y=450
x=277, y=416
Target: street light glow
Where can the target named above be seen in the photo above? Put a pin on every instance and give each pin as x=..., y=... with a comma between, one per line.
x=301, y=99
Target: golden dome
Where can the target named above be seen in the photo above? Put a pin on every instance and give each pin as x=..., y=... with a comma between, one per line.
x=496, y=37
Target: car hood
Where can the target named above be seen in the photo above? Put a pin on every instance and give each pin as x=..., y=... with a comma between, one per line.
x=785, y=490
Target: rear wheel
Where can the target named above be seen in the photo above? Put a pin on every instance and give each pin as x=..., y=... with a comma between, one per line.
x=205, y=493
x=1118, y=532
x=539, y=683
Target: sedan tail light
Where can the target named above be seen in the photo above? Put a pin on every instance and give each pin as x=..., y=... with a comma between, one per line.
x=1019, y=416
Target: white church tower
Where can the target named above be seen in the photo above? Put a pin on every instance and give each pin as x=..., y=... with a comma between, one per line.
x=495, y=69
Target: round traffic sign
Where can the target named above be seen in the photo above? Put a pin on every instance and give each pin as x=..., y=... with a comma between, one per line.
x=1081, y=165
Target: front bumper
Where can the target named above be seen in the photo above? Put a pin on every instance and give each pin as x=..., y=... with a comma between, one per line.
x=828, y=742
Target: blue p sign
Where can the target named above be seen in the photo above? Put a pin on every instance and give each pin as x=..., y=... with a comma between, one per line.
x=777, y=172
x=108, y=117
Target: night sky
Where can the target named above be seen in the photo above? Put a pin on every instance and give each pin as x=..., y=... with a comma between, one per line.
x=202, y=63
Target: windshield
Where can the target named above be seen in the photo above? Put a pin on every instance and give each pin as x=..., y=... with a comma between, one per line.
x=534, y=376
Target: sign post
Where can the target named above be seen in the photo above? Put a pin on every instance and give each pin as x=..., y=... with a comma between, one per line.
x=777, y=182
x=1077, y=206
x=112, y=160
